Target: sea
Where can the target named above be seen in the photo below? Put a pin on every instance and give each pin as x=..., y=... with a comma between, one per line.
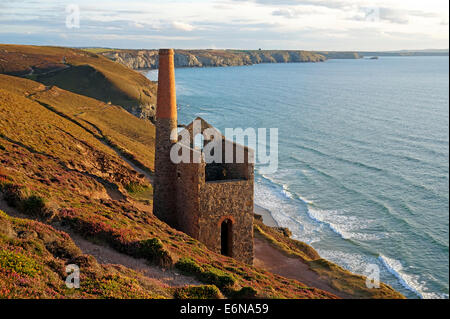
x=363, y=157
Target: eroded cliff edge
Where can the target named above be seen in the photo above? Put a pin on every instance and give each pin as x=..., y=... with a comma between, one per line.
x=148, y=59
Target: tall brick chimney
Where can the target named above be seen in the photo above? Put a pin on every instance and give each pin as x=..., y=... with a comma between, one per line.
x=164, y=201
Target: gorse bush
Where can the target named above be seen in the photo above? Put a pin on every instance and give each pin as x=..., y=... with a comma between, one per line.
x=188, y=266
x=23, y=198
x=33, y=204
x=140, y=192
x=207, y=274
x=153, y=250
x=198, y=292
x=135, y=188
x=18, y=263
x=218, y=277
x=245, y=293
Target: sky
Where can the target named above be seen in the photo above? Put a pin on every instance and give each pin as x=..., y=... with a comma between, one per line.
x=340, y=25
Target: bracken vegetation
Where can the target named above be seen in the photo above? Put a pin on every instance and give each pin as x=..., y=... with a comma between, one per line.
x=33, y=259
x=198, y=292
x=82, y=72
x=55, y=168
x=70, y=160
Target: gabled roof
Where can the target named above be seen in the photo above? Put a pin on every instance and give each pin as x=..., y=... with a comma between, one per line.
x=200, y=130
x=203, y=126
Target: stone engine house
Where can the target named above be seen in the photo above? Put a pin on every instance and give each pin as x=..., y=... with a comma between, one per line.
x=210, y=200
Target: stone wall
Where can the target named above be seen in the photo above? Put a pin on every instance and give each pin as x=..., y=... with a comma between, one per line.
x=202, y=207
x=165, y=184
x=208, y=194
x=190, y=177
x=228, y=200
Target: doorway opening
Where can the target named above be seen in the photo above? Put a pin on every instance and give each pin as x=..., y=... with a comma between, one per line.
x=226, y=238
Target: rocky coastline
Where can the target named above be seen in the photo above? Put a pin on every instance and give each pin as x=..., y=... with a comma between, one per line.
x=148, y=59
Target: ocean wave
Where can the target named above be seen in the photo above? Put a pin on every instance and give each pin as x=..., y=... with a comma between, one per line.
x=341, y=159
x=286, y=192
x=387, y=173
x=286, y=210
x=284, y=188
x=347, y=227
x=408, y=281
x=383, y=206
x=352, y=261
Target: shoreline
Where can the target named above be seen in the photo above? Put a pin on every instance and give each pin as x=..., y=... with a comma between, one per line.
x=267, y=216
x=278, y=261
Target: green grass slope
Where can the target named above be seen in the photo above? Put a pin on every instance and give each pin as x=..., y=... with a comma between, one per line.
x=62, y=161
x=84, y=73
x=33, y=260
x=54, y=167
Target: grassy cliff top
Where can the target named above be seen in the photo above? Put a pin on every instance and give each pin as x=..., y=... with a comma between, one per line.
x=81, y=72
x=56, y=168
x=72, y=160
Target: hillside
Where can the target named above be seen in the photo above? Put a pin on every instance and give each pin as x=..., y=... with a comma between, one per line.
x=76, y=188
x=81, y=72
x=148, y=59
x=55, y=170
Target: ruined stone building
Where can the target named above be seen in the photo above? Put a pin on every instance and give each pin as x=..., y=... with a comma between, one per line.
x=212, y=201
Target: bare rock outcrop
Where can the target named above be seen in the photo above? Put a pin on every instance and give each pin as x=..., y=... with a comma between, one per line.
x=148, y=59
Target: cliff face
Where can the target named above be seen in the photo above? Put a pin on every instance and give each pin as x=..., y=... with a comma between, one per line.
x=148, y=59
x=84, y=73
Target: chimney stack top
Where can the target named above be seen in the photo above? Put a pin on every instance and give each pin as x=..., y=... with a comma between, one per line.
x=166, y=52
x=167, y=99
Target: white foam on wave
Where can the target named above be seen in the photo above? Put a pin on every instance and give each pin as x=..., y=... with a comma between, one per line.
x=286, y=211
x=306, y=200
x=410, y=282
x=286, y=192
x=353, y=262
x=343, y=224
x=346, y=226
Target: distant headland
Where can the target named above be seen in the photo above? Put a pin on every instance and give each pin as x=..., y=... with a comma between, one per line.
x=148, y=59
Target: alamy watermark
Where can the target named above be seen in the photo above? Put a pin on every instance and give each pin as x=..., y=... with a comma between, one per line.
x=73, y=276
x=208, y=146
x=73, y=16
x=373, y=276
x=372, y=14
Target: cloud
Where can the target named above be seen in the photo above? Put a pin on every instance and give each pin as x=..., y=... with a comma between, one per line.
x=292, y=13
x=376, y=14
x=137, y=25
x=181, y=26
x=394, y=16
x=331, y=4
x=240, y=24
x=423, y=14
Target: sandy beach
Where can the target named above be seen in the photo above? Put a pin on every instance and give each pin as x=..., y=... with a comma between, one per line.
x=266, y=215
